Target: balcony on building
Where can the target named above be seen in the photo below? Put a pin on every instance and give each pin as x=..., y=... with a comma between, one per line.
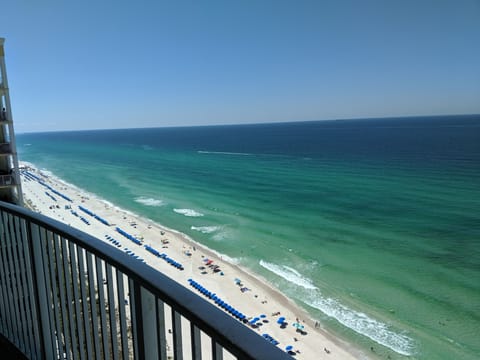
x=7, y=179
x=5, y=148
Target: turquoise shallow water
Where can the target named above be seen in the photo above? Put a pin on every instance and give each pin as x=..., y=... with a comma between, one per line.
x=371, y=225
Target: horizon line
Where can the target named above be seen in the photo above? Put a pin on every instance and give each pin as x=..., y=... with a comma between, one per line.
x=252, y=123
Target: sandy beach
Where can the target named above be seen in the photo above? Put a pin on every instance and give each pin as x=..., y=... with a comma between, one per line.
x=248, y=293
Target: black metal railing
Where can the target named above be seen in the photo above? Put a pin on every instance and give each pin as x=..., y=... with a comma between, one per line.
x=67, y=295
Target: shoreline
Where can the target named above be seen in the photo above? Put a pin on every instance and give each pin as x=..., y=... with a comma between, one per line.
x=262, y=297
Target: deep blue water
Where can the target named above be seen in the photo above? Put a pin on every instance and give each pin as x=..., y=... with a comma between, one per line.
x=371, y=225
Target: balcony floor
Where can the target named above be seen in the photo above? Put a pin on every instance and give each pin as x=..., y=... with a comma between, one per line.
x=8, y=351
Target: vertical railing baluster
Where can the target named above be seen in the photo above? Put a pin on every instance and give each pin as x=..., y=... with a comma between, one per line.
x=133, y=317
x=59, y=273
x=217, y=350
x=162, y=339
x=49, y=260
x=6, y=312
x=77, y=298
x=122, y=314
x=112, y=312
x=102, y=303
x=93, y=305
x=24, y=306
x=66, y=256
x=42, y=289
x=15, y=338
x=196, y=342
x=18, y=284
x=136, y=313
x=84, y=296
x=177, y=335
x=8, y=299
x=149, y=324
x=59, y=341
x=3, y=294
x=30, y=301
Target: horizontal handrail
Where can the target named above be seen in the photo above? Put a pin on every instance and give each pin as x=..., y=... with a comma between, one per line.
x=58, y=252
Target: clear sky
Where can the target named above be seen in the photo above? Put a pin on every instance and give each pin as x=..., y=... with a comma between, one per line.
x=121, y=64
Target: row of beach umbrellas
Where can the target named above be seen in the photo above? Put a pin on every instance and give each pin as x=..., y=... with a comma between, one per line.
x=270, y=339
x=128, y=236
x=113, y=241
x=30, y=176
x=132, y=254
x=164, y=257
x=228, y=308
x=50, y=196
x=52, y=189
x=171, y=261
x=152, y=250
x=81, y=217
x=95, y=216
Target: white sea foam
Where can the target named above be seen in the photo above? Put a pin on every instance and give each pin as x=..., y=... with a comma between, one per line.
x=233, y=261
x=205, y=229
x=220, y=236
x=223, y=153
x=188, y=212
x=357, y=321
x=362, y=324
x=107, y=203
x=150, y=201
x=289, y=274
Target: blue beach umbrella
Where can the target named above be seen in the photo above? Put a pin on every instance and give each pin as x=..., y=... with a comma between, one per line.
x=289, y=348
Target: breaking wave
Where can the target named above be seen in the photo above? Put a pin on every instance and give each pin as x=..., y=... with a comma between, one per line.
x=205, y=229
x=188, y=212
x=289, y=274
x=223, y=153
x=357, y=321
x=150, y=201
x=362, y=324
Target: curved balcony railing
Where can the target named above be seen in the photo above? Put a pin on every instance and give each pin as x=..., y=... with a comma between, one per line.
x=67, y=295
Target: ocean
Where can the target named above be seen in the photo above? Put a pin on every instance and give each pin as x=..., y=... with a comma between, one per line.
x=370, y=225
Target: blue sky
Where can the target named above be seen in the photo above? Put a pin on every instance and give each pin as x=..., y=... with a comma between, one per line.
x=122, y=64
